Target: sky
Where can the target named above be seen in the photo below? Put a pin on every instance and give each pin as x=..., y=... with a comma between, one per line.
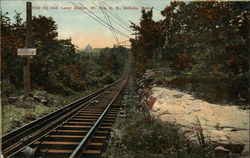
x=82, y=29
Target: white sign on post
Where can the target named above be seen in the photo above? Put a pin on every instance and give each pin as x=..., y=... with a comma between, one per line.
x=26, y=51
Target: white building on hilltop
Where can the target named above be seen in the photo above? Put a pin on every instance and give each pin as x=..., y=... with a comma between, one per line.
x=88, y=48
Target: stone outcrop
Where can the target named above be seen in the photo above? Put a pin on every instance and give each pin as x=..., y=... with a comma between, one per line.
x=226, y=127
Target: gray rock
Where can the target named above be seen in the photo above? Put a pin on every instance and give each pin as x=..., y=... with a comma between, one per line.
x=12, y=100
x=17, y=122
x=36, y=98
x=178, y=96
x=144, y=132
x=221, y=149
x=44, y=101
x=21, y=97
x=223, y=138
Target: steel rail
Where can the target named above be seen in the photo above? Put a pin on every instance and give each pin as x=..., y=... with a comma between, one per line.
x=18, y=139
x=45, y=130
x=78, y=151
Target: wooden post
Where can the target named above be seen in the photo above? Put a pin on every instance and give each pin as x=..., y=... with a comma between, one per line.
x=26, y=67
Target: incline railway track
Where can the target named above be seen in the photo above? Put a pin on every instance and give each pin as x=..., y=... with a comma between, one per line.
x=79, y=129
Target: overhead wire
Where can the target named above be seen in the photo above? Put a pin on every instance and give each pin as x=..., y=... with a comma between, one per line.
x=102, y=20
x=120, y=22
x=122, y=26
x=117, y=40
x=107, y=24
x=99, y=20
x=123, y=42
x=108, y=20
x=104, y=9
x=118, y=17
x=113, y=33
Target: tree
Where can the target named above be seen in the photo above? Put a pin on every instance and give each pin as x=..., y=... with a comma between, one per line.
x=12, y=37
x=150, y=38
x=208, y=38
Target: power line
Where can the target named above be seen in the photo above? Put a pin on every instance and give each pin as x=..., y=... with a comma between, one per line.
x=103, y=9
x=118, y=17
x=123, y=22
x=108, y=20
x=113, y=33
x=103, y=21
x=122, y=26
x=117, y=40
x=99, y=20
x=122, y=42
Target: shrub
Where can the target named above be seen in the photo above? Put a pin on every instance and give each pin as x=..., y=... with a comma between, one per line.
x=7, y=88
x=107, y=79
x=54, y=86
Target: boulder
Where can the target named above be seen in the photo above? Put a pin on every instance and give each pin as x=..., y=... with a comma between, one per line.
x=221, y=149
x=44, y=101
x=226, y=126
x=36, y=98
x=234, y=148
x=12, y=100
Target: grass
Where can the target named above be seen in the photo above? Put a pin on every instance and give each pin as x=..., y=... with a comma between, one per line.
x=139, y=135
x=19, y=113
x=82, y=75
x=15, y=116
x=22, y=112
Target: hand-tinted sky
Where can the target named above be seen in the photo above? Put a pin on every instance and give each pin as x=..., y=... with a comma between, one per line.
x=81, y=28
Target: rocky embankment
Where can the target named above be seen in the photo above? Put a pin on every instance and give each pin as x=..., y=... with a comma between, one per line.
x=225, y=127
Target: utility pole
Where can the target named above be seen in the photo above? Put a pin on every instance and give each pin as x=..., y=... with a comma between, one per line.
x=26, y=67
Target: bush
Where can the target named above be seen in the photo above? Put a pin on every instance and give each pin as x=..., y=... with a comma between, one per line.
x=54, y=86
x=141, y=136
x=149, y=136
x=7, y=88
x=239, y=88
x=107, y=79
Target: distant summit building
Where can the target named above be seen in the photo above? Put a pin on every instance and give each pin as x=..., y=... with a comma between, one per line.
x=88, y=48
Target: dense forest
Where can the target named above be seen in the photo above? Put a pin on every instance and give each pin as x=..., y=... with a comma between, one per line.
x=60, y=73
x=205, y=44
x=57, y=67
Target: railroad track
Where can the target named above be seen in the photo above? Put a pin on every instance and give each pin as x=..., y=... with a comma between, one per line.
x=77, y=130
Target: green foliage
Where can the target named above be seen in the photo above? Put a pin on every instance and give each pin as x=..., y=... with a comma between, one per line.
x=21, y=112
x=11, y=38
x=150, y=38
x=147, y=136
x=58, y=67
x=7, y=88
x=114, y=57
x=53, y=86
x=107, y=79
x=200, y=38
x=139, y=135
x=207, y=86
